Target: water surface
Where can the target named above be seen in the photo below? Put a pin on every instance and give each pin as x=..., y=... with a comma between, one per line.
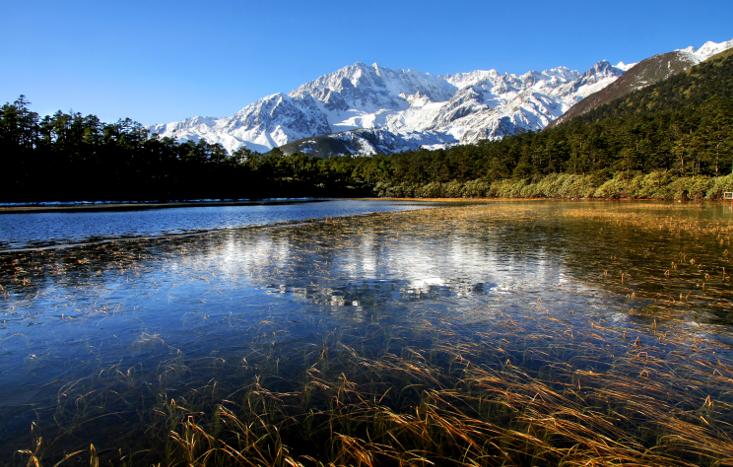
x=52, y=228
x=97, y=339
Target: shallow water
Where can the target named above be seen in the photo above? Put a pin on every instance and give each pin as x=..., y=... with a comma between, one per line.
x=94, y=337
x=54, y=228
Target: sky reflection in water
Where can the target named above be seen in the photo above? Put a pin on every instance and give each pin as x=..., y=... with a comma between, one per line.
x=227, y=300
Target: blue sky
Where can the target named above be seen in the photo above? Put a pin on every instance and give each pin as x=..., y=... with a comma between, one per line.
x=166, y=60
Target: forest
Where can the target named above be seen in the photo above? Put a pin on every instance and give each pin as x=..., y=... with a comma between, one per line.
x=672, y=140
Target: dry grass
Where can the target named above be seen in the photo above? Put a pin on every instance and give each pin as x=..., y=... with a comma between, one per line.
x=646, y=403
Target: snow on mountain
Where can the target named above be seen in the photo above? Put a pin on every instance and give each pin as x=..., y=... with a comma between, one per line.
x=491, y=105
x=416, y=109
x=707, y=50
x=267, y=123
x=464, y=80
x=368, y=108
x=624, y=66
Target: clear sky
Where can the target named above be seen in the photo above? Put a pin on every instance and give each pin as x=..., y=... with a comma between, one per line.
x=158, y=61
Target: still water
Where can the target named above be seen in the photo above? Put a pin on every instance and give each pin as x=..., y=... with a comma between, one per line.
x=96, y=339
x=53, y=228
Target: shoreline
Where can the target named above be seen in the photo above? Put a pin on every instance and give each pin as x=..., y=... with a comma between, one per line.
x=91, y=241
x=485, y=200
x=460, y=200
x=141, y=206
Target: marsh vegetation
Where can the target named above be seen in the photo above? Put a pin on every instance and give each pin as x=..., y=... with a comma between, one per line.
x=508, y=333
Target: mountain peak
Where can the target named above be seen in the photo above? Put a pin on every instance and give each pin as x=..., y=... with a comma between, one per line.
x=397, y=102
x=624, y=66
x=604, y=68
x=707, y=50
x=602, y=65
x=463, y=80
x=390, y=104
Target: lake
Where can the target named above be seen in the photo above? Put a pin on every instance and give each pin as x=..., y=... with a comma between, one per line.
x=58, y=228
x=506, y=332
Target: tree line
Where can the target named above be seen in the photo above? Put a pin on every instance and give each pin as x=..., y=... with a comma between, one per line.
x=681, y=127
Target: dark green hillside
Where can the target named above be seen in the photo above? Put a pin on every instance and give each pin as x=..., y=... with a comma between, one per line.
x=710, y=82
x=643, y=74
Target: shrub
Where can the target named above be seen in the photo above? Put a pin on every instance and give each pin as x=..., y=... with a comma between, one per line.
x=431, y=190
x=476, y=189
x=718, y=185
x=453, y=189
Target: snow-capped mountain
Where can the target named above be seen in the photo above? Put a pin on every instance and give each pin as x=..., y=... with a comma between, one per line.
x=368, y=108
x=418, y=109
x=707, y=50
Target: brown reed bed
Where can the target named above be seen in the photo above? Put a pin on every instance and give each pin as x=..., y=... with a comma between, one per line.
x=481, y=401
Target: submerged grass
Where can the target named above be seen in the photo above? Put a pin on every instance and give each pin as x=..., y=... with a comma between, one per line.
x=648, y=403
x=526, y=386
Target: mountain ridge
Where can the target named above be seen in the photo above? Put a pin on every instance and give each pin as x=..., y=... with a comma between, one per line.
x=645, y=73
x=359, y=104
